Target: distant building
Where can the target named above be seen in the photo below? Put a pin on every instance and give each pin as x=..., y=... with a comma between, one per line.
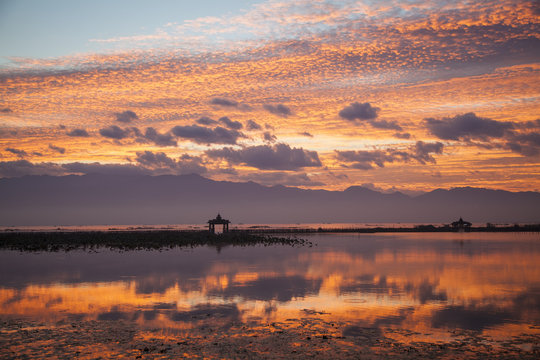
x=219, y=221
x=461, y=225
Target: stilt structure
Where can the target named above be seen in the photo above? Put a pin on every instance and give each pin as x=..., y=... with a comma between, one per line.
x=461, y=225
x=219, y=221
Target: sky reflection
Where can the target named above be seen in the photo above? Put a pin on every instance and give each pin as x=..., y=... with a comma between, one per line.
x=480, y=282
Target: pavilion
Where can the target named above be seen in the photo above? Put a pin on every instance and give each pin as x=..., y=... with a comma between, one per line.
x=219, y=221
x=461, y=225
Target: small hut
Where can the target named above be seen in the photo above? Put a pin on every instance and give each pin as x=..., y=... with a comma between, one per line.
x=461, y=225
x=219, y=221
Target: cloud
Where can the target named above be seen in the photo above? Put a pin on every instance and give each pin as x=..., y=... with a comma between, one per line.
x=126, y=116
x=520, y=137
x=252, y=125
x=359, y=111
x=153, y=135
x=382, y=190
x=161, y=163
x=58, y=149
x=228, y=171
x=99, y=168
x=228, y=123
x=366, y=159
x=266, y=157
x=282, y=178
x=224, y=102
x=402, y=135
x=188, y=164
x=150, y=135
x=203, y=135
x=384, y=124
x=18, y=152
x=6, y=110
x=234, y=125
x=206, y=121
x=24, y=167
x=527, y=144
x=305, y=133
x=150, y=159
x=386, y=49
x=196, y=133
x=268, y=136
x=78, y=132
x=148, y=164
x=422, y=151
x=114, y=132
x=279, y=109
x=530, y=124
x=467, y=127
x=377, y=34
x=366, y=113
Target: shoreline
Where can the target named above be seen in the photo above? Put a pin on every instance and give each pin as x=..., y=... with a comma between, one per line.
x=423, y=228
x=137, y=240
x=417, y=228
x=160, y=239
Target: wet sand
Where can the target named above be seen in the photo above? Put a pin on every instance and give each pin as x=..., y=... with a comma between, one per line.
x=315, y=336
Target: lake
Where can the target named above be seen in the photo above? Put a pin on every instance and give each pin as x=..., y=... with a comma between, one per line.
x=348, y=294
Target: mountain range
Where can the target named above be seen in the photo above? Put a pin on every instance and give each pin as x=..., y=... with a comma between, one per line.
x=98, y=199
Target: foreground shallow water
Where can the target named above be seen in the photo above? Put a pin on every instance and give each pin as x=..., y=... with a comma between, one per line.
x=413, y=295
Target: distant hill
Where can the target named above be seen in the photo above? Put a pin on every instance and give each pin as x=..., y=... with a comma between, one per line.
x=113, y=199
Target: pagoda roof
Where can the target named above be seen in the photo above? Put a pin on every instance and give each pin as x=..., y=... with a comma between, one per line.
x=218, y=220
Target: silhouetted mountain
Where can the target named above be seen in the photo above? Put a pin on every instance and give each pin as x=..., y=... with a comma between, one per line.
x=168, y=199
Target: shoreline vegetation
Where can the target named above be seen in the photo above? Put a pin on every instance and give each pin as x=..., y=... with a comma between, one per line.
x=137, y=240
x=381, y=229
x=159, y=239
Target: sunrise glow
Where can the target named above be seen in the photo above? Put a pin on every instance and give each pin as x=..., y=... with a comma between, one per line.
x=412, y=95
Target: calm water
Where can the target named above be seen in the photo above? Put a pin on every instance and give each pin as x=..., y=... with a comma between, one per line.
x=430, y=284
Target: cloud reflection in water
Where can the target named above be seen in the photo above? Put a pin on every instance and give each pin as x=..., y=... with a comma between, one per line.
x=415, y=281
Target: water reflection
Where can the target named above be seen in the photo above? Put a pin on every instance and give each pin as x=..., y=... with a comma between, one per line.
x=426, y=283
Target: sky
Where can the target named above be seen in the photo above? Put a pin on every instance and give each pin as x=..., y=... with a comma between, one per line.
x=392, y=95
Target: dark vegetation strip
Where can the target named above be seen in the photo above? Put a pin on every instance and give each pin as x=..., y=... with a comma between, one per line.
x=168, y=239
x=418, y=228
x=136, y=240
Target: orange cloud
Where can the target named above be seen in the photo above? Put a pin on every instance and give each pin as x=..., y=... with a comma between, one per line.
x=429, y=63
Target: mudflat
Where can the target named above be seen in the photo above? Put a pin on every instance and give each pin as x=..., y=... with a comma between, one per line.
x=315, y=336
